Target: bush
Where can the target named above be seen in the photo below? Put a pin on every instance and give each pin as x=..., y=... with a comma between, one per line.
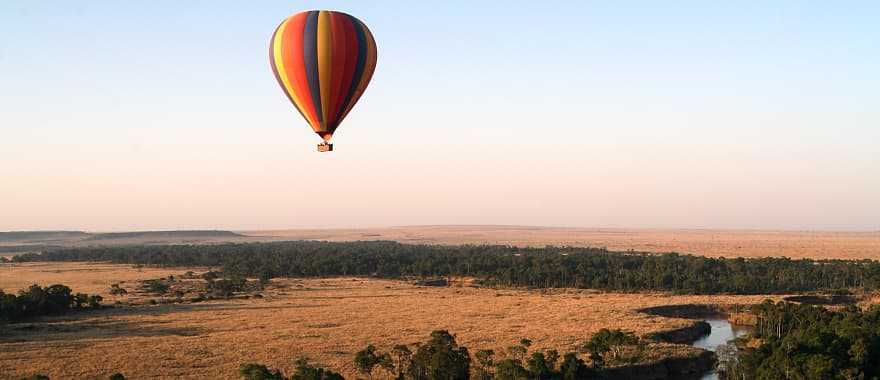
x=367, y=359
x=226, y=287
x=305, y=371
x=116, y=290
x=210, y=276
x=609, y=341
x=155, y=286
x=253, y=371
x=94, y=301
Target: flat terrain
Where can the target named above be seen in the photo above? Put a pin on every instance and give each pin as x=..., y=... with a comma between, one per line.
x=327, y=320
x=713, y=243
x=91, y=278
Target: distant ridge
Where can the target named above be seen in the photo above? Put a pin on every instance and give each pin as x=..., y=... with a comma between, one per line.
x=20, y=241
x=164, y=234
x=41, y=235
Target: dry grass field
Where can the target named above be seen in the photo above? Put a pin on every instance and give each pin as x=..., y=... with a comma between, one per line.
x=327, y=320
x=713, y=243
x=91, y=278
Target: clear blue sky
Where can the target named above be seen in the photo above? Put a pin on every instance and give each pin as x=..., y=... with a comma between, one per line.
x=164, y=114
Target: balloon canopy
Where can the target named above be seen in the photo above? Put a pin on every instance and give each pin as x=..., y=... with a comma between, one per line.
x=323, y=60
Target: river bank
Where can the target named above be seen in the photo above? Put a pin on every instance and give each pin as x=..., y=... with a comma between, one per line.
x=714, y=326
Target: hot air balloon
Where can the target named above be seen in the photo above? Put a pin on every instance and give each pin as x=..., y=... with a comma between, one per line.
x=323, y=61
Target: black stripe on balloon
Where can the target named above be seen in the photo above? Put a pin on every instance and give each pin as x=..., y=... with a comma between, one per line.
x=275, y=71
x=359, y=66
x=310, y=56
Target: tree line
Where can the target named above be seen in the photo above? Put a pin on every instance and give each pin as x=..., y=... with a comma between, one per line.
x=547, y=267
x=37, y=301
x=810, y=342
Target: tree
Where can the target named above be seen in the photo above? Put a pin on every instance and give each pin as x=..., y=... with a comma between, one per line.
x=117, y=376
x=485, y=364
x=37, y=301
x=606, y=340
x=510, y=369
x=496, y=265
x=573, y=368
x=254, y=371
x=305, y=371
x=808, y=342
x=58, y=299
x=517, y=352
x=155, y=286
x=539, y=367
x=402, y=359
x=552, y=356
x=440, y=359
x=367, y=359
x=265, y=278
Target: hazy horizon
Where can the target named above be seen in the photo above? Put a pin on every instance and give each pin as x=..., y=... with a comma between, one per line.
x=475, y=226
x=165, y=116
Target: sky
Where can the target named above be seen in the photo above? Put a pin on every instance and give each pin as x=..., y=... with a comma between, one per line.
x=692, y=114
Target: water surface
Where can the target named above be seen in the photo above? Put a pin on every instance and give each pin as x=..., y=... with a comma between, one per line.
x=722, y=332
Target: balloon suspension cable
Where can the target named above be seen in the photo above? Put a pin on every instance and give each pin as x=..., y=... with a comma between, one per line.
x=325, y=147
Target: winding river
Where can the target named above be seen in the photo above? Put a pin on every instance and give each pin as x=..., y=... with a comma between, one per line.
x=722, y=332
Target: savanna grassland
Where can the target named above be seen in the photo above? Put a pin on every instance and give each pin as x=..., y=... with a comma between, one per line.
x=326, y=301
x=327, y=320
x=703, y=242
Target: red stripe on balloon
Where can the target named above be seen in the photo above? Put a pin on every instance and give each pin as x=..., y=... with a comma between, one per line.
x=294, y=64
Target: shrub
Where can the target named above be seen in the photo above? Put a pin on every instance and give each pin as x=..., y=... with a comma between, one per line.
x=155, y=286
x=253, y=371
x=116, y=290
x=305, y=371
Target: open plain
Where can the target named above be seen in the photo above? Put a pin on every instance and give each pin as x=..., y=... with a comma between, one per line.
x=327, y=320
x=704, y=242
x=712, y=243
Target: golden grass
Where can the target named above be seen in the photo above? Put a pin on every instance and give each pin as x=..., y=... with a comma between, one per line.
x=327, y=320
x=713, y=243
x=91, y=278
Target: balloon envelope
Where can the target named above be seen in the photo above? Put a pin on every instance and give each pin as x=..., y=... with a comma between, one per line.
x=323, y=61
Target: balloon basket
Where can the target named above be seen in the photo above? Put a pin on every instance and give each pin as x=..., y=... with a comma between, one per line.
x=325, y=147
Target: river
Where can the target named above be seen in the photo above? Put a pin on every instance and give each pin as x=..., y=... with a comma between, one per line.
x=722, y=332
